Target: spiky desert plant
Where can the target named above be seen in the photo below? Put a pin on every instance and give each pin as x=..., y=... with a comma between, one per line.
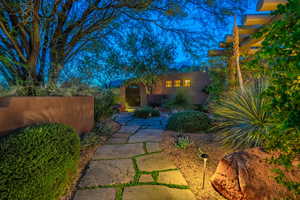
x=241, y=119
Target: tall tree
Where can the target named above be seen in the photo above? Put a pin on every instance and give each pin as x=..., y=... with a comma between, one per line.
x=38, y=37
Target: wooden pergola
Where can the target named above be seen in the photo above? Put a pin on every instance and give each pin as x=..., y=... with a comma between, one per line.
x=246, y=45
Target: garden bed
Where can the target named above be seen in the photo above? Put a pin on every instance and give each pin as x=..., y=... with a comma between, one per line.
x=86, y=154
x=191, y=165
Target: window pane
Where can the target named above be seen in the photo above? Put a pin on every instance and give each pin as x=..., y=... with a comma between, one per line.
x=177, y=83
x=187, y=83
x=168, y=84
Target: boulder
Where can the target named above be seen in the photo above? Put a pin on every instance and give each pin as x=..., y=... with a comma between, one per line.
x=246, y=175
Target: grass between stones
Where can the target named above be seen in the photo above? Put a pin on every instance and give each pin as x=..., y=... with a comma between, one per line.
x=155, y=174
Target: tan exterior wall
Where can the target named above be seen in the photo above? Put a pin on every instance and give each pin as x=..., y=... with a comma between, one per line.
x=198, y=81
x=18, y=112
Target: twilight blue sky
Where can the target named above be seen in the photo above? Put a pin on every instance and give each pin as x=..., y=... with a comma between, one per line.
x=219, y=34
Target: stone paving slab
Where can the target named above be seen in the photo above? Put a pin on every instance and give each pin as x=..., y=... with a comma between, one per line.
x=117, y=140
x=121, y=135
x=153, y=147
x=171, y=177
x=128, y=129
x=119, y=151
x=147, y=135
x=146, y=178
x=154, y=162
x=107, y=172
x=156, y=192
x=96, y=194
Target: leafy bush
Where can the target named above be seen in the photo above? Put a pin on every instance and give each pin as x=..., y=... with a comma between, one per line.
x=48, y=90
x=37, y=162
x=188, y=121
x=182, y=142
x=146, y=112
x=104, y=106
x=217, y=85
x=180, y=101
x=241, y=117
x=279, y=60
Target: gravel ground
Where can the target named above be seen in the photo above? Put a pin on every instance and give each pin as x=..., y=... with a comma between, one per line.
x=191, y=165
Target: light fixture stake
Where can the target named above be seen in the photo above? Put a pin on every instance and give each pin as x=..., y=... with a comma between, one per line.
x=204, y=157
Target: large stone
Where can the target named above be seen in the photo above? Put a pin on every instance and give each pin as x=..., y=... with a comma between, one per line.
x=128, y=129
x=147, y=135
x=119, y=151
x=153, y=147
x=246, y=175
x=154, y=162
x=146, y=178
x=117, y=140
x=171, y=177
x=108, y=172
x=96, y=194
x=121, y=135
x=156, y=192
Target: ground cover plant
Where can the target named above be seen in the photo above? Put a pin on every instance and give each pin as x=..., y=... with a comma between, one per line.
x=189, y=122
x=146, y=112
x=38, y=162
x=182, y=142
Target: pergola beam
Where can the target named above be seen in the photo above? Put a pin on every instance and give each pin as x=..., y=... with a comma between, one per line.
x=269, y=5
x=217, y=52
x=251, y=20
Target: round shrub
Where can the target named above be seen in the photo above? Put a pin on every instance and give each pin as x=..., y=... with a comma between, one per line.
x=189, y=122
x=38, y=162
x=146, y=112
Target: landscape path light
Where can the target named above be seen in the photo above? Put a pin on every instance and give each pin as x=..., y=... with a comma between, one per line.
x=205, y=158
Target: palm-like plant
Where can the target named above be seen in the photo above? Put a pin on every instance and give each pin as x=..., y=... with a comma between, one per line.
x=241, y=117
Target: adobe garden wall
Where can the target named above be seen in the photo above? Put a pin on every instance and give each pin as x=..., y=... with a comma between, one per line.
x=18, y=112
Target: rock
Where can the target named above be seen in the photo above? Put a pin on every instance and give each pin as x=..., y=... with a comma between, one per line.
x=154, y=162
x=108, y=172
x=146, y=178
x=119, y=151
x=153, y=147
x=246, y=175
x=100, y=193
x=171, y=177
x=117, y=140
x=157, y=192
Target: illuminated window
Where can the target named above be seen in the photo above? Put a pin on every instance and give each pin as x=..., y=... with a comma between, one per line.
x=177, y=83
x=168, y=84
x=187, y=83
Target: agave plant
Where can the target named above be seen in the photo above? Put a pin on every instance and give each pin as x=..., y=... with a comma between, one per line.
x=241, y=118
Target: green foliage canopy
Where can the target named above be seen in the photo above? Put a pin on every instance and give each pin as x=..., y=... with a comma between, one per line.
x=279, y=60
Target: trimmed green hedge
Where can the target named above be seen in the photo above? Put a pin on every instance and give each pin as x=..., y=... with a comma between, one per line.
x=189, y=122
x=38, y=162
x=146, y=112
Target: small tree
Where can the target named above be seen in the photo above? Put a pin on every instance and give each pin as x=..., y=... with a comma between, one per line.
x=146, y=58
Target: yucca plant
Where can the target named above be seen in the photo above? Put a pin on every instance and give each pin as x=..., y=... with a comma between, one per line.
x=241, y=118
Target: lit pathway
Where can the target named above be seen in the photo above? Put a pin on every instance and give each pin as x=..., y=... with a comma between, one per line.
x=132, y=167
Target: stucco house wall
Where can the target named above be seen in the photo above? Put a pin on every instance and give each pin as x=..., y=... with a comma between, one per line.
x=199, y=80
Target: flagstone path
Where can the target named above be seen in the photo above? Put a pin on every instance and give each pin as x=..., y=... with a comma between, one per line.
x=132, y=167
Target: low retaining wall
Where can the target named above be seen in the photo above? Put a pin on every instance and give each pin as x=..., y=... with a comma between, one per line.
x=18, y=112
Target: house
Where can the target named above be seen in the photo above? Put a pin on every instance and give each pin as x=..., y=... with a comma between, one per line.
x=192, y=83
